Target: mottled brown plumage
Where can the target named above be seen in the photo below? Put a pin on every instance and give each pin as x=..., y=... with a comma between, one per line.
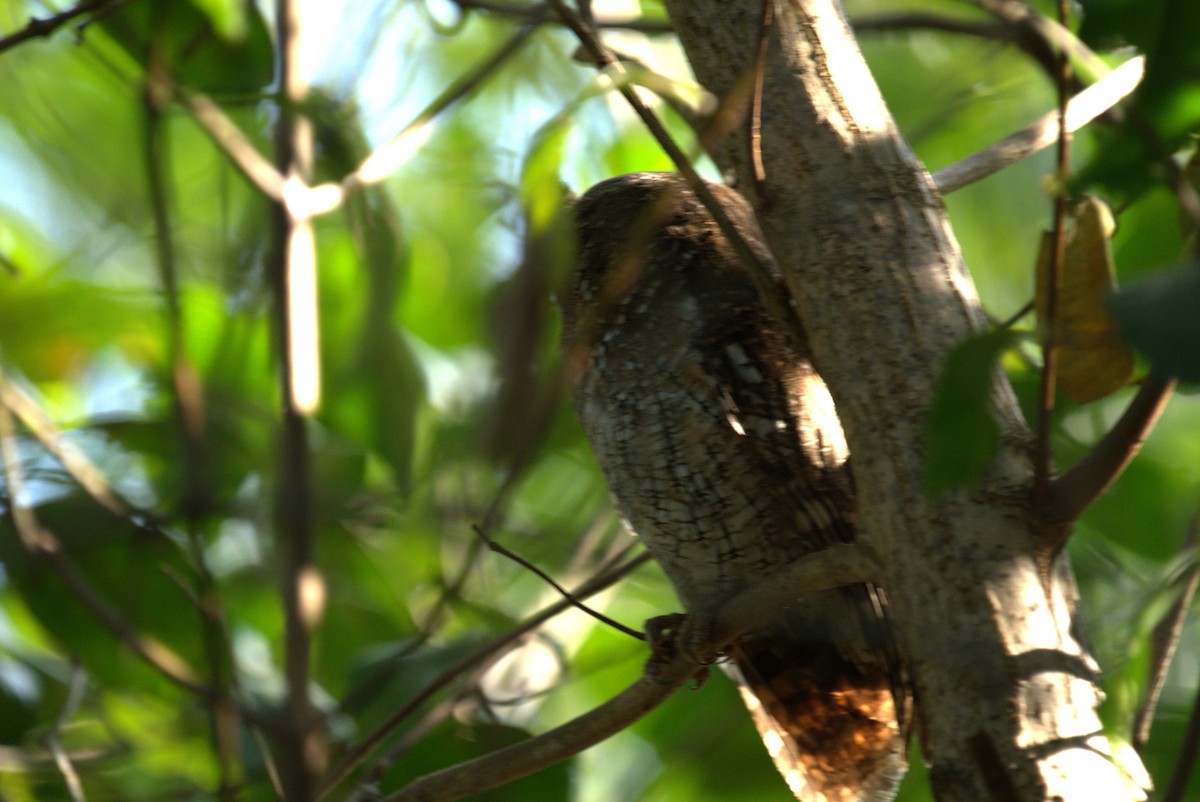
x=722, y=448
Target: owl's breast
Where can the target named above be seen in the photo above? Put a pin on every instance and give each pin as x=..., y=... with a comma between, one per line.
x=698, y=478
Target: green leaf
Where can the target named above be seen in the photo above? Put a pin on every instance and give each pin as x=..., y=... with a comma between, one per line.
x=1160, y=317
x=229, y=17
x=961, y=437
x=213, y=50
x=1168, y=100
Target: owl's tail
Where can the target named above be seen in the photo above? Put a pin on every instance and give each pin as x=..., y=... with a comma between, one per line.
x=828, y=716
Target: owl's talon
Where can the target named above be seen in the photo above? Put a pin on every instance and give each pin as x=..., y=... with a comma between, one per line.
x=669, y=635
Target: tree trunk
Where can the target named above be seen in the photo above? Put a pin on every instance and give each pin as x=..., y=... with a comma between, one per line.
x=1006, y=689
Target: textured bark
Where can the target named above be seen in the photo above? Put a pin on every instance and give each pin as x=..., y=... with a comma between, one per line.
x=1006, y=690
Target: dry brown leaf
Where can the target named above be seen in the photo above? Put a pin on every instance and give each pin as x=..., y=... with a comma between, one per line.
x=1093, y=358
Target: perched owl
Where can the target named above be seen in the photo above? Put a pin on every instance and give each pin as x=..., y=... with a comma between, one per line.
x=723, y=451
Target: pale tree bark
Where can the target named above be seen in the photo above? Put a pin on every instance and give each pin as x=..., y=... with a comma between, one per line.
x=1006, y=688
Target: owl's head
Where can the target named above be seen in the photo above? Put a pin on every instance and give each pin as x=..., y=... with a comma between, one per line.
x=641, y=228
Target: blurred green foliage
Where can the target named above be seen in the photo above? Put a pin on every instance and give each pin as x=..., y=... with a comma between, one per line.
x=443, y=407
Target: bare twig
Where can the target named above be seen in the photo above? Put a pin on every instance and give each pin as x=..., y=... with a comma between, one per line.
x=432, y=718
x=306, y=201
x=1056, y=34
x=1165, y=639
x=834, y=567
x=390, y=155
x=236, y=145
x=1083, y=108
x=75, y=688
x=543, y=751
x=1043, y=457
x=1025, y=37
x=566, y=594
x=189, y=415
x=487, y=654
x=44, y=545
x=905, y=20
x=74, y=461
x=1070, y=494
x=41, y=28
x=1185, y=764
x=765, y=25
x=540, y=14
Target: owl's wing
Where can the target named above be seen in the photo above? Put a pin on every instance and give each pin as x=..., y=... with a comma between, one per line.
x=821, y=681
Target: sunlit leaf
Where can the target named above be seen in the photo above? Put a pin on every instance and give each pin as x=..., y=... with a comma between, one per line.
x=229, y=17
x=1093, y=359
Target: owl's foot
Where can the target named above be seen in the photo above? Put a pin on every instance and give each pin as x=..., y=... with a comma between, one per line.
x=679, y=634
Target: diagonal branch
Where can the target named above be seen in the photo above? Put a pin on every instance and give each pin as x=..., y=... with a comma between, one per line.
x=1185, y=763
x=504, y=551
x=1070, y=494
x=41, y=28
x=1083, y=108
x=225, y=133
x=541, y=752
x=42, y=544
x=834, y=567
x=476, y=659
x=388, y=157
x=74, y=461
x=1165, y=639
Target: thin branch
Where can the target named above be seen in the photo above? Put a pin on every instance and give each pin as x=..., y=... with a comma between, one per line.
x=765, y=25
x=388, y=157
x=1070, y=494
x=1165, y=639
x=905, y=20
x=74, y=461
x=487, y=653
x=1025, y=37
x=1055, y=34
x=42, y=544
x=257, y=169
x=432, y=718
x=541, y=14
x=42, y=28
x=75, y=689
x=1185, y=764
x=540, y=752
x=1083, y=108
x=1043, y=456
x=834, y=567
x=293, y=280
x=545, y=577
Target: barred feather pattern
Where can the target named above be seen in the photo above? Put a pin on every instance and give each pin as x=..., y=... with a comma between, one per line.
x=723, y=451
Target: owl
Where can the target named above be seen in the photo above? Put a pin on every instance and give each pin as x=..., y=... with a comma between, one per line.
x=723, y=452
